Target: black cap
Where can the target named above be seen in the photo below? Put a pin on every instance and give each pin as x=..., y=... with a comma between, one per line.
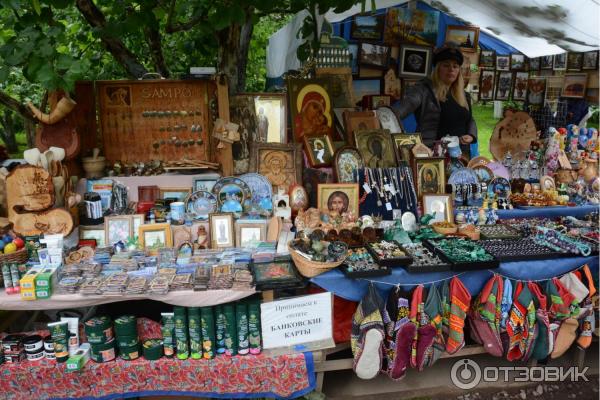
x=448, y=51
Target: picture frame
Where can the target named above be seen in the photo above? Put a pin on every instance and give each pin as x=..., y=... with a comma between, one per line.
x=430, y=175
x=137, y=220
x=439, y=206
x=420, y=150
x=249, y=233
x=367, y=26
x=95, y=232
x=271, y=116
x=486, y=84
x=222, y=232
x=280, y=163
x=504, y=83
x=338, y=197
x=487, y=59
x=590, y=60
x=155, y=235
x=502, y=63
x=392, y=84
x=366, y=86
x=407, y=83
x=404, y=154
x=117, y=228
x=404, y=139
x=353, y=50
x=536, y=90
x=359, y=120
x=517, y=62
x=374, y=55
x=415, y=61
x=407, y=25
x=376, y=148
x=180, y=193
x=466, y=36
x=575, y=85
x=201, y=183
x=546, y=62
x=574, y=61
x=243, y=113
x=559, y=62
x=319, y=150
x=339, y=82
x=375, y=101
x=520, y=82
x=307, y=97
x=346, y=160
x=534, y=64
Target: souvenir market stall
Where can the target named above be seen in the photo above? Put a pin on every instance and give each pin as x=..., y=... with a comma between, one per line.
x=212, y=206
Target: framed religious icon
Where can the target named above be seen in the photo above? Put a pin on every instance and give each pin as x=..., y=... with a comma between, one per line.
x=389, y=120
x=338, y=197
x=346, y=162
x=221, y=230
x=534, y=64
x=430, y=176
x=310, y=107
x=250, y=233
x=392, y=84
x=590, y=60
x=546, y=62
x=93, y=233
x=467, y=37
x=374, y=55
x=404, y=139
x=439, y=206
x=179, y=193
x=118, y=229
x=271, y=117
x=242, y=112
x=536, y=89
x=487, y=59
x=415, y=61
x=359, y=120
x=404, y=154
x=560, y=62
x=486, y=84
x=155, y=236
x=376, y=148
x=574, y=85
x=319, y=150
x=280, y=163
x=520, y=86
x=574, y=61
x=517, y=62
x=503, y=85
x=367, y=27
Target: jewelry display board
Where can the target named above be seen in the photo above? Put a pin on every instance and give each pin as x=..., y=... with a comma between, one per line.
x=163, y=120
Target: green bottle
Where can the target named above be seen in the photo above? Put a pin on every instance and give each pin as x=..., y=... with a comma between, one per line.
x=254, y=327
x=195, y=332
x=231, y=346
x=220, y=329
x=241, y=316
x=181, y=333
x=208, y=332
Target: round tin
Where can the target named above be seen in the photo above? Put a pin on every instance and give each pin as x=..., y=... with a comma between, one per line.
x=98, y=330
x=126, y=325
x=12, y=343
x=35, y=356
x=33, y=344
x=49, y=355
x=153, y=349
x=127, y=341
x=48, y=344
x=129, y=352
x=103, y=352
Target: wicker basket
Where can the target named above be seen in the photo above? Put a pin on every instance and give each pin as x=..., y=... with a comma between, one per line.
x=443, y=230
x=19, y=257
x=309, y=268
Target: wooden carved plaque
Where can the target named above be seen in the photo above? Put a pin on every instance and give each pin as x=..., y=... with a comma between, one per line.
x=281, y=164
x=57, y=220
x=29, y=188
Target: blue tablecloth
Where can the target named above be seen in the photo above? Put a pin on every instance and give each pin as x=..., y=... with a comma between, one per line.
x=354, y=289
x=549, y=212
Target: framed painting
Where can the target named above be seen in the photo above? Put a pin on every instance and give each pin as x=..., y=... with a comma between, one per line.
x=243, y=112
x=392, y=84
x=574, y=61
x=155, y=236
x=503, y=85
x=96, y=233
x=430, y=176
x=546, y=62
x=137, y=220
x=520, y=86
x=205, y=184
x=439, y=206
x=338, y=197
x=590, y=60
x=407, y=25
x=359, y=120
x=407, y=83
x=534, y=64
x=346, y=161
x=179, y=193
x=311, y=107
x=575, y=85
x=517, y=62
x=271, y=117
x=376, y=148
x=280, y=163
x=502, y=63
x=364, y=87
x=536, y=89
x=367, y=27
x=339, y=82
x=467, y=37
x=319, y=150
x=486, y=84
x=117, y=228
x=249, y=234
x=487, y=59
x=221, y=230
x=415, y=61
x=560, y=62
x=374, y=55
x=353, y=50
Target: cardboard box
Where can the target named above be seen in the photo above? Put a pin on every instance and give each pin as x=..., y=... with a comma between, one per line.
x=45, y=282
x=77, y=361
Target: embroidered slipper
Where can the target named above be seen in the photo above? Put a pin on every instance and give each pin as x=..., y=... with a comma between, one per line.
x=368, y=361
x=541, y=346
x=404, y=341
x=460, y=299
x=367, y=335
x=426, y=336
x=565, y=338
x=587, y=327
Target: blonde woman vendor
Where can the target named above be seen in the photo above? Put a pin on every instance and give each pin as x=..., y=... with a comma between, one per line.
x=440, y=104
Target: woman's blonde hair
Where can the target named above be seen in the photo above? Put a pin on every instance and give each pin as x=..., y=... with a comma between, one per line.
x=456, y=89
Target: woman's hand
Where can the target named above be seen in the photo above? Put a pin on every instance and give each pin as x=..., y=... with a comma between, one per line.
x=466, y=139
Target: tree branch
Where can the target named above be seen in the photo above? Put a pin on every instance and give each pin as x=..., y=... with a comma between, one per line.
x=115, y=46
x=155, y=45
x=16, y=106
x=184, y=26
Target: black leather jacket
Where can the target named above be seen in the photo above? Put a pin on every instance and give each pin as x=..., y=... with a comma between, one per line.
x=420, y=100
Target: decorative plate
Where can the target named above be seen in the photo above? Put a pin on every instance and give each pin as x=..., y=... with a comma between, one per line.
x=388, y=120
x=346, y=160
x=463, y=176
x=499, y=170
x=479, y=160
x=260, y=187
x=409, y=222
x=200, y=204
x=483, y=173
x=231, y=188
x=547, y=183
x=499, y=186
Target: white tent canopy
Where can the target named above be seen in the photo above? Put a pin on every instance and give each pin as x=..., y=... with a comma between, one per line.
x=534, y=27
